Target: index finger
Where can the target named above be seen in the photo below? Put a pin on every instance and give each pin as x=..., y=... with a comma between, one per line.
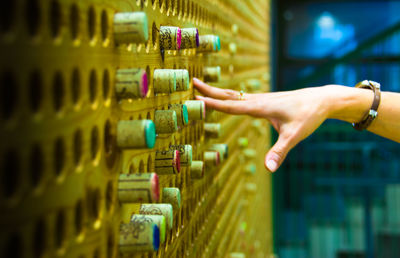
x=217, y=93
x=235, y=107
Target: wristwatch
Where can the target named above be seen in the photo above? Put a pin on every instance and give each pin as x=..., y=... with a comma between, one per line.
x=373, y=111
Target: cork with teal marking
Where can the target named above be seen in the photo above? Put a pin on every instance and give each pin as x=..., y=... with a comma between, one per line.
x=206, y=44
x=217, y=43
x=164, y=209
x=131, y=27
x=185, y=114
x=136, y=134
x=181, y=113
x=251, y=169
x=164, y=81
x=196, y=109
x=166, y=121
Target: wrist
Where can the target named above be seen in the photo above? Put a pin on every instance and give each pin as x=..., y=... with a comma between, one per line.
x=347, y=103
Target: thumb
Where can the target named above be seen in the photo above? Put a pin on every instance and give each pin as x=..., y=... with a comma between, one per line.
x=277, y=154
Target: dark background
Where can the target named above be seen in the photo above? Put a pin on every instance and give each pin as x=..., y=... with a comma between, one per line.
x=338, y=192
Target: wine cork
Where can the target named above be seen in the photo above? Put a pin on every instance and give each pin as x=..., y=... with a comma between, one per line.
x=196, y=109
x=197, y=169
x=181, y=113
x=212, y=130
x=253, y=85
x=266, y=77
x=213, y=115
x=251, y=188
x=185, y=153
x=244, y=203
x=212, y=74
x=172, y=196
x=166, y=121
x=167, y=162
x=251, y=169
x=130, y=27
x=138, y=188
x=136, y=134
x=159, y=220
x=235, y=29
x=207, y=44
x=164, y=209
x=190, y=38
x=243, y=142
x=222, y=149
x=164, y=81
x=182, y=79
x=259, y=127
x=170, y=38
x=232, y=48
x=139, y=236
x=242, y=86
x=131, y=83
x=217, y=43
x=237, y=255
x=212, y=158
x=250, y=153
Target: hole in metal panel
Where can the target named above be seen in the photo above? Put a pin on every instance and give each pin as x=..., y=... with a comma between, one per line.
x=32, y=14
x=55, y=18
x=74, y=21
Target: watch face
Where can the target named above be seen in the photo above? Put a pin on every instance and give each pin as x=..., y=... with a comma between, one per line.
x=367, y=85
x=373, y=113
x=375, y=84
x=363, y=84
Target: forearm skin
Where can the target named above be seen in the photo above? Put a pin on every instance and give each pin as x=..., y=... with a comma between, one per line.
x=351, y=104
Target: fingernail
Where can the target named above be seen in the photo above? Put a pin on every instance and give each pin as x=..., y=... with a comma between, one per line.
x=272, y=165
x=199, y=97
x=195, y=79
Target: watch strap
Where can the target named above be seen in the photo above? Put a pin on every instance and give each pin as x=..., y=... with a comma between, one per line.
x=373, y=111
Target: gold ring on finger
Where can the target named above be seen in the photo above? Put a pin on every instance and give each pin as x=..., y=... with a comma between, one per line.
x=241, y=95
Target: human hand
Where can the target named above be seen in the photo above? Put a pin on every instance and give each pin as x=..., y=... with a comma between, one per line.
x=293, y=114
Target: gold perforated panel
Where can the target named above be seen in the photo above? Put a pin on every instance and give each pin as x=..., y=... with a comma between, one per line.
x=58, y=123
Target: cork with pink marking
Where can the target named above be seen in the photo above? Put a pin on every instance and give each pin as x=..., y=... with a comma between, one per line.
x=138, y=188
x=167, y=162
x=131, y=83
x=170, y=37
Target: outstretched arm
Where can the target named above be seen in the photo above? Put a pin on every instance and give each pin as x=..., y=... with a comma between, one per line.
x=296, y=114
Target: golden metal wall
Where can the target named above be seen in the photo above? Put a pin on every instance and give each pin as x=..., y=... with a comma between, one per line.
x=60, y=163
